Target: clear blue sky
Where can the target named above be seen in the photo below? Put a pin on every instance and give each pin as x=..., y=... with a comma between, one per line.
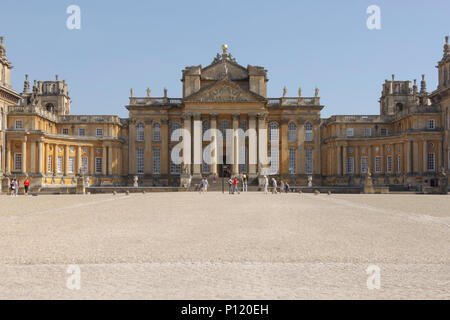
x=140, y=44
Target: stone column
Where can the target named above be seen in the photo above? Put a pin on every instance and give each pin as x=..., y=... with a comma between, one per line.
x=344, y=160
x=132, y=147
x=439, y=162
x=165, y=156
x=214, y=142
x=415, y=152
x=104, y=161
x=187, y=154
x=110, y=159
x=79, y=161
x=33, y=157
x=284, y=150
x=339, y=161
x=357, y=164
x=197, y=144
x=370, y=159
x=148, y=155
x=92, y=160
x=383, y=161
x=8, y=157
x=252, y=145
x=66, y=160
x=425, y=156
x=408, y=156
x=301, y=154
x=55, y=158
x=235, y=143
x=41, y=155
x=262, y=144
x=24, y=155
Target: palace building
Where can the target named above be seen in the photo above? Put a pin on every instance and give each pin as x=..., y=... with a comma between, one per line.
x=406, y=144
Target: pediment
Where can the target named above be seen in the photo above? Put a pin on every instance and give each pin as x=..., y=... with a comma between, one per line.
x=224, y=69
x=224, y=91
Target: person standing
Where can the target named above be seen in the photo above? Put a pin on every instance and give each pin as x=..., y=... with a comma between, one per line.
x=281, y=186
x=230, y=186
x=205, y=185
x=266, y=184
x=12, y=188
x=244, y=183
x=235, y=186
x=16, y=187
x=274, y=183
x=287, y=187
x=26, y=185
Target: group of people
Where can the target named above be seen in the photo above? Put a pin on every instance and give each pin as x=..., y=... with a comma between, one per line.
x=14, y=187
x=202, y=187
x=233, y=184
x=284, y=186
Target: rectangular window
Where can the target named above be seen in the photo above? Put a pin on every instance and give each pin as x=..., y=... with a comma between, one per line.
x=84, y=165
x=98, y=165
x=49, y=164
x=18, y=124
x=140, y=160
x=431, y=161
x=431, y=124
x=81, y=132
x=364, y=164
x=65, y=131
x=308, y=136
x=377, y=164
x=99, y=132
x=384, y=131
x=17, y=162
x=367, y=132
x=292, y=161
x=274, y=159
x=349, y=132
x=59, y=165
x=175, y=168
x=389, y=164
x=350, y=165
x=309, y=161
x=156, y=161
x=71, y=164
x=399, y=164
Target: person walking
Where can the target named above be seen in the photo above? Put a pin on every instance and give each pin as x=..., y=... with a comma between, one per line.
x=235, y=186
x=287, y=187
x=215, y=177
x=230, y=186
x=16, y=187
x=244, y=183
x=274, y=183
x=205, y=185
x=266, y=184
x=26, y=185
x=12, y=188
x=281, y=186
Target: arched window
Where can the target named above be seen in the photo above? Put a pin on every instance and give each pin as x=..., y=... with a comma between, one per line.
x=274, y=132
x=157, y=132
x=140, y=132
x=292, y=131
x=308, y=132
x=175, y=134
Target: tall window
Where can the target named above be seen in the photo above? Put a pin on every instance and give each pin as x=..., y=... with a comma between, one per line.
x=274, y=132
x=156, y=161
x=364, y=164
x=99, y=132
x=292, y=161
x=140, y=160
x=140, y=132
x=431, y=124
x=205, y=166
x=84, y=165
x=367, y=132
x=399, y=164
x=223, y=126
x=175, y=134
x=59, y=164
x=377, y=164
x=309, y=161
x=174, y=168
x=156, y=132
x=292, y=131
x=242, y=159
x=308, y=132
x=49, y=164
x=205, y=126
x=350, y=165
x=431, y=163
x=389, y=164
x=81, y=132
x=17, y=162
x=18, y=124
x=98, y=165
x=274, y=156
x=71, y=164
x=350, y=132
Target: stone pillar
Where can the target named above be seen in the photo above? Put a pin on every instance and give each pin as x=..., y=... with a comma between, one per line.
x=383, y=161
x=415, y=156
x=148, y=155
x=284, y=150
x=92, y=160
x=132, y=147
x=24, y=155
x=55, y=158
x=165, y=156
x=344, y=160
x=41, y=155
x=33, y=157
x=339, y=161
x=370, y=159
x=110, y=159
x=357, y=165
x=187, y=154
x=79, y=162
x=262, y=144
x=425, y=156
x=301, y=154
x=408, y=156
x=66, y=160
x=8, y=157
x=252, y=145
x=104, y=161
x=214, y=142
x=197, y=144
x=235, y=166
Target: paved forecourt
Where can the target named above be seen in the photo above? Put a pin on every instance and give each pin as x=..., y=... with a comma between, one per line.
x=221, y=246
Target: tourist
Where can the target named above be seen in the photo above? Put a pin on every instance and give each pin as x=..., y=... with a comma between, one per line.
x=266, y=184
x=244, y=183
x=230, y=186
x=281, y=186
x=287, y=187
x=274, y=183
x=235, y=186
x=12, y=188
x=215, y=178
x=16, y=187
x=205, y=185
x=26, y=185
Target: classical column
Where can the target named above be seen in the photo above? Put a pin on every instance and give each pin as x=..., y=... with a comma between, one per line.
x=55, y=158
x=344, y=160
x=408, y=156
x=132, y=147
x=148, y=158
x=33, y=157
x=382, y=162
x=79, y=161
x=425, y=156
x=235, y=143
x=262, y=144
x=92, y=160
x=41, y=156
x=252, y=145
x=66, y=160
x=357, y=165
x=104, y=161
x=187, y=143
x=110, y=159
x=370, y=159
x=197, y=143
x=214, y=142
x=415, y=157
x=165, y=156
x=301, y=155
x=339, y=161
x=24, y=155
x=8, y=157
x=284, y=150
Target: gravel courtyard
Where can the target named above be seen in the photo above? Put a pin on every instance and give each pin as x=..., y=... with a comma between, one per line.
x=221, y=246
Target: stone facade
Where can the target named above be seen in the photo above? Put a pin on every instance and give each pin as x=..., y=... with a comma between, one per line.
x=407, y=144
